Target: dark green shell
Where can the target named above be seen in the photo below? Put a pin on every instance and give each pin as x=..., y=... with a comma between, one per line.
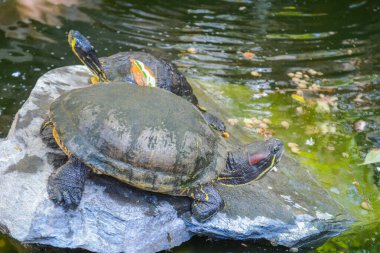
x=146, y=137
x=117, y=68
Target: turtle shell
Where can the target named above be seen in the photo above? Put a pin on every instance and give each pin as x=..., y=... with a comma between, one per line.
x=118, y=68
x=146, y=137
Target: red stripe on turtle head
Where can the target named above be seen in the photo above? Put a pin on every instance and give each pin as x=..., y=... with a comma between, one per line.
x=256, y=158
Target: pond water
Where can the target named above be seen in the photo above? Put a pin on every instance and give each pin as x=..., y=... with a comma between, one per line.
x=306, y=71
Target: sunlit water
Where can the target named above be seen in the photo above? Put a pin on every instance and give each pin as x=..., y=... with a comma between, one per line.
x=243, y=52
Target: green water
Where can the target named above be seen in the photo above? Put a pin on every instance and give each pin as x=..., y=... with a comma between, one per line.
x=339, y=38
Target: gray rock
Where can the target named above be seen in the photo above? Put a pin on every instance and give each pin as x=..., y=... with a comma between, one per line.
x=287, y=206
x=110, y=218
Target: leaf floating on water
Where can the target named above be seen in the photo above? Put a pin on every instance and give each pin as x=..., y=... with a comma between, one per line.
x=310, y=130
x=326, y=104
x=312, y=72
x=191, y=50
x=302, y=84
x=263, y=125
x=232, y=121
x=244, y=245
x=255, y=74
x=296, y=79
x=285, y=124
x=298, y=98
x=248, y=55
x=267, y=121
x=360, y=125
x=266, y=132
x=259, y=95
x=359, y=99
x=260, y=126
x=372, y=157
x=322, y=107
x=315, y=87
x=294, y=147
x=248, y=123
x=295, y=150
x=327, y=128
x=299, y=74
x=299, y=110
x=366, y=205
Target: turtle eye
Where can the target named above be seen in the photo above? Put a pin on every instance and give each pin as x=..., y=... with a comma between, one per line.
x=276, y=149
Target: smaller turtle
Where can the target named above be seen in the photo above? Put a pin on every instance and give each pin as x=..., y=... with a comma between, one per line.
x=150, y=139
x=138, y=68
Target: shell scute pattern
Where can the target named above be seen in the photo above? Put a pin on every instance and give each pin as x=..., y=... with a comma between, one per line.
x=163, y=146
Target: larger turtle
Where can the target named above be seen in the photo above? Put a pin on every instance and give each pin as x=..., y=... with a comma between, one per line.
x=150, y=139
x=138, y=68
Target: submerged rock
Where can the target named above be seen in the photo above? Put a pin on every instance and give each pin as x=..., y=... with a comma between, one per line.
x=287, y=207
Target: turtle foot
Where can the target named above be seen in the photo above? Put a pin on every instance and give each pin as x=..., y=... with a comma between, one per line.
x=215, y=123
x=65, y=186
x=64, y=196
x=56, y=158
x=207, y=202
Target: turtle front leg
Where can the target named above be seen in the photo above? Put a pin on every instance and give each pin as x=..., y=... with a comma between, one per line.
x=66, y=184
x=215, y=123
x=207, y=202
x=46, y=132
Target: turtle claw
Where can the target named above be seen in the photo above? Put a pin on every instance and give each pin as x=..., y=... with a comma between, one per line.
x=65, y=186
x=76, y=196
x=54, y=195
x=205, y=210
x=66, y=201
x=72, y=199
x=61, y=195
x=207, y=202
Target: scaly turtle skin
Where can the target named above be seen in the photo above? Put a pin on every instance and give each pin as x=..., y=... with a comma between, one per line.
x=139, y=68
x=152, y=140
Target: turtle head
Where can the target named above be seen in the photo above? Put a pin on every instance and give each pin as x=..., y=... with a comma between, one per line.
x=251, y=162
x=85, y=52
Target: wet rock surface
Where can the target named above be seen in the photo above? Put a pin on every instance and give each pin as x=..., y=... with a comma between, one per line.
x=287, y=207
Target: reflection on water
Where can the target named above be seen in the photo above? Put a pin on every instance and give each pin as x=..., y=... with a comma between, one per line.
x=244, y=52
x=16, y=16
